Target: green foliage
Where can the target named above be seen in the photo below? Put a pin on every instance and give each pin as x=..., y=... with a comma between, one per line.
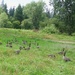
x=18, y=13
x=3, y=19
x=48, y=22
x=50, y=29
x=37, y=14
x=11, y=12
x=61, y=27
x=1, y=10
x=26, y=24
x=53, y=21
x=9, y=25
x=34, y=12
x=16, y=24
x=5, y=8
x=28, y=9
x=58, y=24
x=11, y=18
x=64, y=11
x=43, y=24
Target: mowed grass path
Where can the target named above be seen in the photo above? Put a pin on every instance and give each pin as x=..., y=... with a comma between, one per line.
x=35, y=61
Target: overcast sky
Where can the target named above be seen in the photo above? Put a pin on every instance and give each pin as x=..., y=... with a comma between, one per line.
x=14, y=3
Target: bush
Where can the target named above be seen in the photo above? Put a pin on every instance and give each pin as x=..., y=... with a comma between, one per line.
x=26, y=24
x=16, y=24
x=73, y=34
x=9, y=24
x=50, y=29
x=43, y=24
x=48, y=22
x=3, y=19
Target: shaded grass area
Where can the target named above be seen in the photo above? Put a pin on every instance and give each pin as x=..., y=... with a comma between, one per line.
x=35, y=61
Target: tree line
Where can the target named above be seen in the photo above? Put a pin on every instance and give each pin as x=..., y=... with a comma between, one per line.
x=36, y=15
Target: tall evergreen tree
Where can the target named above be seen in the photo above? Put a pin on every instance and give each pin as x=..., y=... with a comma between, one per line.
x=19, y=13
x=5, y=8
x=1, y=10
x=11, y=12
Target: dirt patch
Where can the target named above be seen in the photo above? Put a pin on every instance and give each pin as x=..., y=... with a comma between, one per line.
x=67, y=42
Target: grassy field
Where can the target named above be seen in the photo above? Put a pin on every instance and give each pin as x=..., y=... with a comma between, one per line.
x=36, y=60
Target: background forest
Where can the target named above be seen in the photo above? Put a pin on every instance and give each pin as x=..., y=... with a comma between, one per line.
x=37, y=15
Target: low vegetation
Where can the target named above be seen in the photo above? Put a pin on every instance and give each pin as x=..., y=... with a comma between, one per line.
x=42, y=58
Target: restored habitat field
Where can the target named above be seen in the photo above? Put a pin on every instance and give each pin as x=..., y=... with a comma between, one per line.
x=25, y=52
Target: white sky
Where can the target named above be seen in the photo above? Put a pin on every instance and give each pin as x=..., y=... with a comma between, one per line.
x=15, y=3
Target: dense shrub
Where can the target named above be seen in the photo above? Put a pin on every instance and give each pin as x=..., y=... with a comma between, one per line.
x=26, y=24
x=50, y=29
x=48, y=22
x=3, y=19
x=9, y=24
x=43, y=24
x=16, y=24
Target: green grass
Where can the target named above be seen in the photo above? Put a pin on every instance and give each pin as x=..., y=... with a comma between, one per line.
x=35, y=61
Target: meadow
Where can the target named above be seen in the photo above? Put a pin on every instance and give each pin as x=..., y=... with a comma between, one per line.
x=36, y=60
